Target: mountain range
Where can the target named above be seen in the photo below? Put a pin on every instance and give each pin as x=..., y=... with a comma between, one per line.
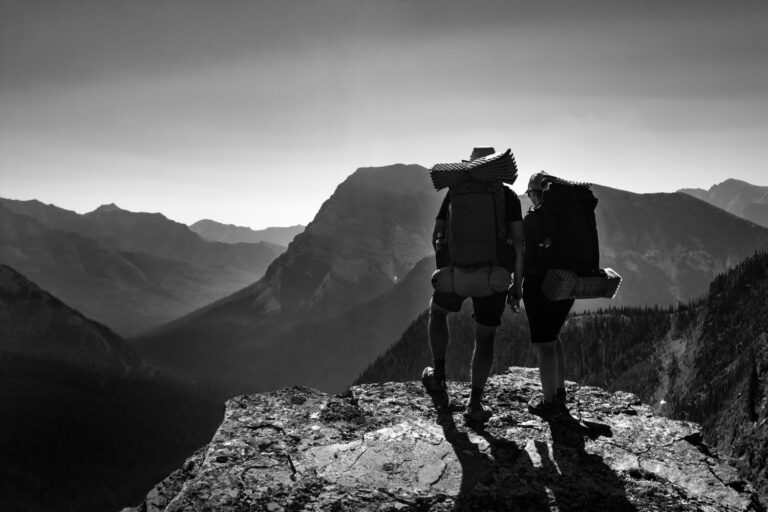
x=347, y=287
x=229, y=233
x=737, y=197
x=131, y=271
x=87, y=424
x=363, y=241
x=344, y=291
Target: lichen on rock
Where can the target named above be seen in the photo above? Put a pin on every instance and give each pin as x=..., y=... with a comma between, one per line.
x=391, y=446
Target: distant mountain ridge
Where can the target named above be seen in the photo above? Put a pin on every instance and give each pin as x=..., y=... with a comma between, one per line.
x=132, y=271
x=313, y=298
x=82, y=410
x=737, y=197
x=231, y=234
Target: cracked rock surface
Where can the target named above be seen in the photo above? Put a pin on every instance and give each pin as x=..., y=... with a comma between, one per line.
x=391, y=446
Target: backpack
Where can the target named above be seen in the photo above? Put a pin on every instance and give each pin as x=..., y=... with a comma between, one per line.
x=573, y=257
x=476, y=228
x=570, y=209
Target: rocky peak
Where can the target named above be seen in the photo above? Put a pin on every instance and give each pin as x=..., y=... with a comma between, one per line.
x=390, y=446
x=105, y=208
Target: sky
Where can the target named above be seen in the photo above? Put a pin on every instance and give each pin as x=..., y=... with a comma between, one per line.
x=252, y=112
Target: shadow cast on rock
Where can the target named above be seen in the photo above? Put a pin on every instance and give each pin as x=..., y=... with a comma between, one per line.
x=500, y=474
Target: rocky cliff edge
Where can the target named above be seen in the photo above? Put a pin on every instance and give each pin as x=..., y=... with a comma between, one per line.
x=390, y=446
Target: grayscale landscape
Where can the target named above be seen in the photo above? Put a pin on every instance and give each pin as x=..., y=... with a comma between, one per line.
x=216, y=254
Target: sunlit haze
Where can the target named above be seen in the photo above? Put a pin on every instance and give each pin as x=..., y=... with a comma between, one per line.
x=252, y=113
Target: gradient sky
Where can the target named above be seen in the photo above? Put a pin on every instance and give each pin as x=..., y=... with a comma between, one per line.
x=252, y=112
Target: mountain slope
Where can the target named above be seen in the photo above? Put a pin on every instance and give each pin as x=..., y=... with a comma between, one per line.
x=130, y=291
x=668, y=247
x=737, y=197
x=231, y=234
x=82, y=410
x=365, y=238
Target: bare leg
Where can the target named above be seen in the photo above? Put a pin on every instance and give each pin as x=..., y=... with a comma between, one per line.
x=482, y=358
x=438, y=335
x=560, y=354
x=547, y=356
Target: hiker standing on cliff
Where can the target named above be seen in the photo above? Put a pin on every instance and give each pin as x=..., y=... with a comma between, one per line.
x=478, y=240
x=545, y=317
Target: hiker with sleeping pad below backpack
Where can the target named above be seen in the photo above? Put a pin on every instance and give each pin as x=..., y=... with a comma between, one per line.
x=560, y=232
x=478, y=241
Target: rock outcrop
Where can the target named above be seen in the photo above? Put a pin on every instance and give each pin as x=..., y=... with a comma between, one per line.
x=392, y=447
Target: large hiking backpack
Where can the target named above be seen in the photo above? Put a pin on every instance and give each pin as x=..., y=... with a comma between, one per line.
x=476, y=227
x=476, y=230
x=570, y=209
x=573, y=256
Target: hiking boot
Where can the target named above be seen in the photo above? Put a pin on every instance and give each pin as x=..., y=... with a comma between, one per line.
x=431, y=383
x=479, y=414
x=545, y=410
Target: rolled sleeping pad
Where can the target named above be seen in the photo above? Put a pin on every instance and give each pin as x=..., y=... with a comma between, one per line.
x=471, y=282
x=560, y=284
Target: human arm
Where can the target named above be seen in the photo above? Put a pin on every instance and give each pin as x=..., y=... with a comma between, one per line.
x=517, y=240
x=438, y=234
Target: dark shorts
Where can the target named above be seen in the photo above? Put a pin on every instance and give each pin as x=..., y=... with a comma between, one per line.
x=545, y=317
x=488, y=310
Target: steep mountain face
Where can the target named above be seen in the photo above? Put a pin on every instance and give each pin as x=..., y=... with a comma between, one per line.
x=229, y=233
x=34, y=323
x=76, y=409
x=364, y=240
x=391, y=447
x=369, y=234
x=106, y=279
x=706, y=361
x=737, y=197
x=668, y=247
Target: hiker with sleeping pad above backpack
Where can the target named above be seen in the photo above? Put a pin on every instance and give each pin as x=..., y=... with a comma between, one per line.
x=478, y=241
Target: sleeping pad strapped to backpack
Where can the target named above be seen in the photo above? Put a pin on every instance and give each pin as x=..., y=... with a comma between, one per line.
x=573, y=258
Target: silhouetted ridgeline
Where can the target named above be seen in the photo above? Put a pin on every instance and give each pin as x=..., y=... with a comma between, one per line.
x=131, y=271
x=86, y=424
x=707, y=360
x=737, y=197
x=231, y=234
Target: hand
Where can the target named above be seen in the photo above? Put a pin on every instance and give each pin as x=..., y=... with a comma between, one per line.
x=514, y=301
x=514, y=294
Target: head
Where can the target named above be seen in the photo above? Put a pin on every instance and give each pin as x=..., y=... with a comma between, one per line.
x=536, y=186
